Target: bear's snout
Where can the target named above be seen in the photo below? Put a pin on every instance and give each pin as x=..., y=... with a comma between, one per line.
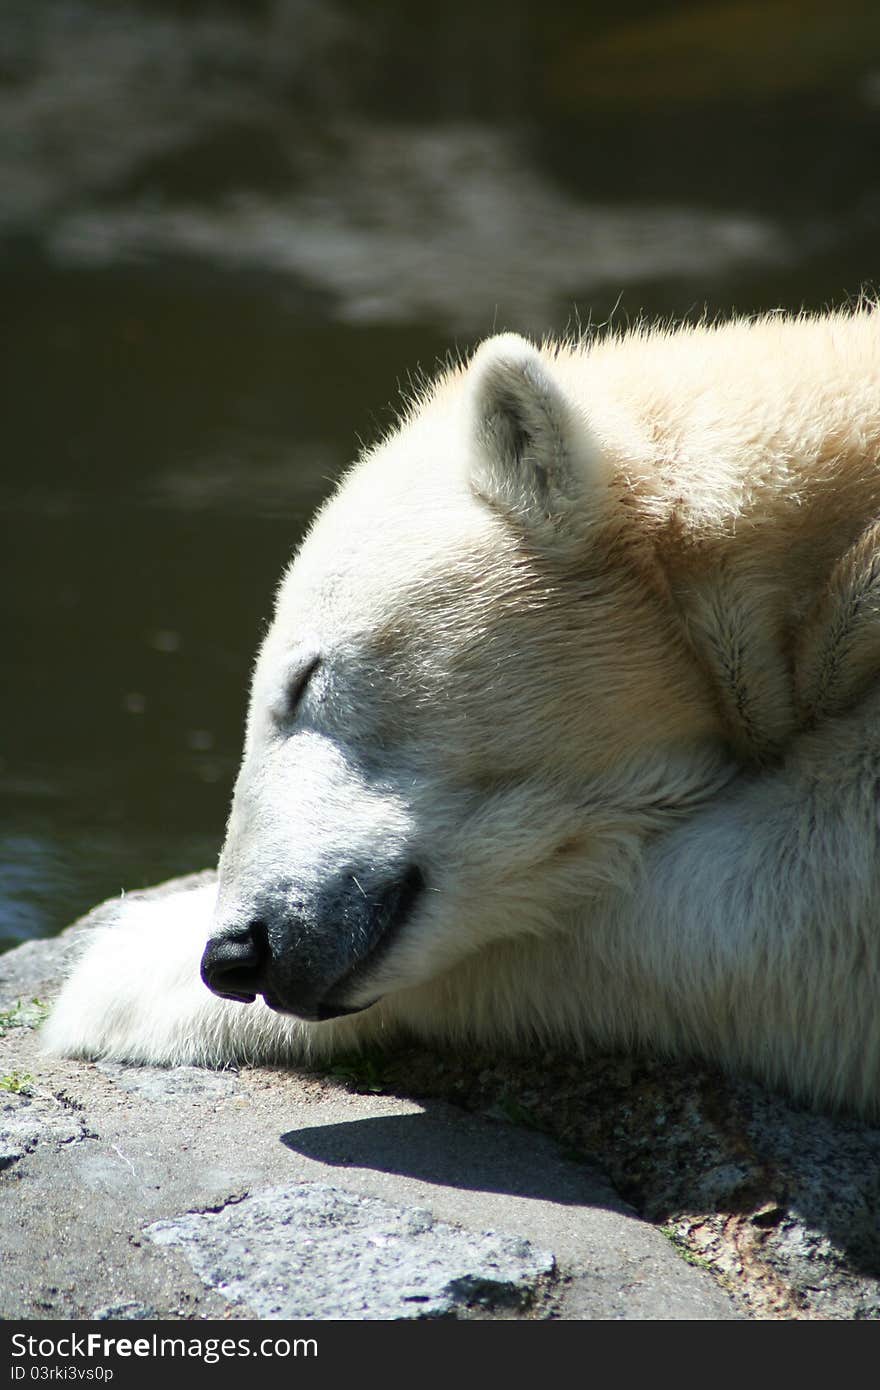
x=315, y=962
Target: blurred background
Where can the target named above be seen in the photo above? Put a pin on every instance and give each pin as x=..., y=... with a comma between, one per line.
x=229, y=233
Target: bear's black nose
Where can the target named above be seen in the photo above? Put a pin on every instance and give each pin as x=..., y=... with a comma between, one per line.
x=233, y=964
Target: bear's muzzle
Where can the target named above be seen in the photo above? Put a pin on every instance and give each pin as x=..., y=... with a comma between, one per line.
x=310, y=963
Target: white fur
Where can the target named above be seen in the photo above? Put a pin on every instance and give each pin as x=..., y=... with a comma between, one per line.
x=599, y=645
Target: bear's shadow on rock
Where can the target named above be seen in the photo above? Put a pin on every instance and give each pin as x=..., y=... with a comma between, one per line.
x=456, y=1150
x=683, y=1144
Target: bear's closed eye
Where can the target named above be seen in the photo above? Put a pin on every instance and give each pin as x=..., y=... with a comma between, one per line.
x=298, y=685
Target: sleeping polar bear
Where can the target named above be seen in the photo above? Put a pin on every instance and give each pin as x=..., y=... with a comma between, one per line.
x=566, y=727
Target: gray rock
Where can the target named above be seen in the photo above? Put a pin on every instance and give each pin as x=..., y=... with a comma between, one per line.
x=774, y=1209
x=169, y=1083
x=124, y=1312
x=27, y=1119
x=315, y=1251
x=99, y=1154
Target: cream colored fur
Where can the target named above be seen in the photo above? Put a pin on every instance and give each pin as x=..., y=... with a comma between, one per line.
x=600, y=628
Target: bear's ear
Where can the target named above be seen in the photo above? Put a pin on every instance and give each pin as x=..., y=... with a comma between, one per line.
x=533, y=455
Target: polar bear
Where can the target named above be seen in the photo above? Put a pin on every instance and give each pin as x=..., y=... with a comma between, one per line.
x=565, y=728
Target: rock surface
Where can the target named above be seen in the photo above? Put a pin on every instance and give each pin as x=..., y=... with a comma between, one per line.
x=309, y=1250
x=416, y=1185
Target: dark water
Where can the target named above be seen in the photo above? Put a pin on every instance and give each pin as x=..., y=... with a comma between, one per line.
x=228, y=232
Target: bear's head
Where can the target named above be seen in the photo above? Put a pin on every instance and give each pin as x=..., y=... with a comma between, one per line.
x=472, y=707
